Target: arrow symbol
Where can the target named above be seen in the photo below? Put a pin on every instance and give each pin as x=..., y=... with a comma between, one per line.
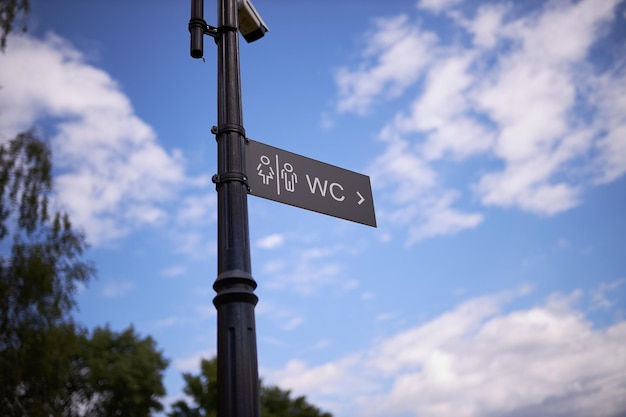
x=361, y=198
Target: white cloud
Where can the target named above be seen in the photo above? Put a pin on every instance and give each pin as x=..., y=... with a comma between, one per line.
x=437, y=5
x=383, y=317
x=424, y=208
x=198, y=209
x=317, y=253
x=167, y=322
x=272, y=241
x=443, y=97
x=293, y=323
x=322, y=344
x=114, y=176
x=440, y=113
x=531, y=96
x=458, y=139
x=307, y=269
x=191, y=363
x=477, y=360
x=174, y=271
x=609, y=92
x=400, y=52
x=367, y=295
x=190, y=232
x=518, y=186
x=274, y=266
x=522, y=97
x=285, y=319
x=485, y=27
x=399, y=165
x=326, y=379
x=601, y=298
x=564, y=31
x=206, y=310
x=305, y=277
x=117, y=289
x=439, y=218
x=326, y=121
x=194, y=243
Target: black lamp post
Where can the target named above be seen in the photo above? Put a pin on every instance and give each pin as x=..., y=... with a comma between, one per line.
x=237, y=375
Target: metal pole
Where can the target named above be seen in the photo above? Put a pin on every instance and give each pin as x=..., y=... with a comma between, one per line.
x=237, y=366
x=237, y=373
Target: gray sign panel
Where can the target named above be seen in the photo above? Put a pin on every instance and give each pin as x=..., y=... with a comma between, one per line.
x=303, y=182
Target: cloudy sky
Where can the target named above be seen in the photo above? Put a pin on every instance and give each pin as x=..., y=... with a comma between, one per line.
x=494, y=134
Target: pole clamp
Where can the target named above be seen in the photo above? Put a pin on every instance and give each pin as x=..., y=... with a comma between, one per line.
x=230, y=177
x=226, y=28
x=206, y=29
x=227, y=128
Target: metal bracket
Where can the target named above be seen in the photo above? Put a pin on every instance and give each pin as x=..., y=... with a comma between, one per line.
x=211, y=31
x=206, y=29
x=225, y=28
x=228, y=127
x=230, y=177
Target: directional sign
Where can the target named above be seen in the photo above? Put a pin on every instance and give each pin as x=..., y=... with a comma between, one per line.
x=303, y=182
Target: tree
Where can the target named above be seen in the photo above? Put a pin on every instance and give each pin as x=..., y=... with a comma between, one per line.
x=202, y=389
x=49, y=365
x=116, y=374
x=40, y=269
x=9, y=11
x=276, y=402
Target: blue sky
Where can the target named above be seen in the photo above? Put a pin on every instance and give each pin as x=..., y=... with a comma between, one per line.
x=494, y=134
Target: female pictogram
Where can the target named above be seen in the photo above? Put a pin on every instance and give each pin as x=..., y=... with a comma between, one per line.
x=265, y=170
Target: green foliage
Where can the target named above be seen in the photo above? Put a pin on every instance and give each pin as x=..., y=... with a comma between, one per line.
x=25, y=182
x=40, y=269
x=118, y=374
x=49, y=366
x=9, y=11
x=278, y=403
x=202, y=389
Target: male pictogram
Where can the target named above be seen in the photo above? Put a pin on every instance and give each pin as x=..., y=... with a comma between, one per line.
x=290, y=177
